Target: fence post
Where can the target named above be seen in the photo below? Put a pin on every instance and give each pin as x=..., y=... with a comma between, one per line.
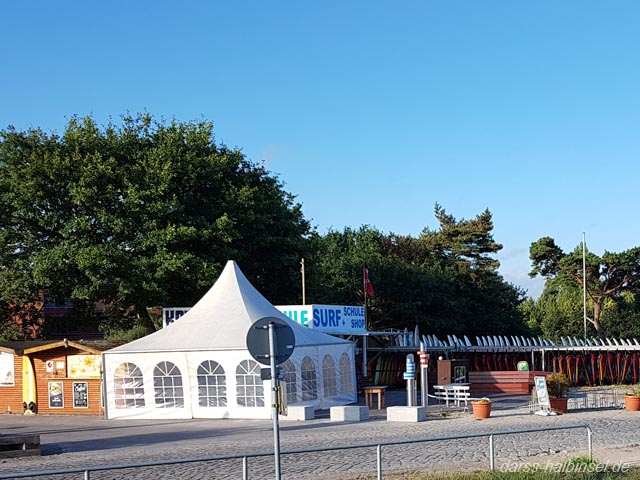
x=492, y=465
x=379, y=461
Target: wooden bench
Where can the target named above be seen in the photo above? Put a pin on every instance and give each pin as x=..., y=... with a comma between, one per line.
x=12, y=446
x=496, y=381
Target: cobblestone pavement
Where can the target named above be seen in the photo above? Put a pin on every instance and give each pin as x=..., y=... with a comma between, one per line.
x=77, y=441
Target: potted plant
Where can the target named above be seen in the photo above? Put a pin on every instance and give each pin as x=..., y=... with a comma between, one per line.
x=481, y=408
x=558, y=387
x=632, y=400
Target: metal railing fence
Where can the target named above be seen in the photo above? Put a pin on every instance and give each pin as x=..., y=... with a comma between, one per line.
x=245, y=456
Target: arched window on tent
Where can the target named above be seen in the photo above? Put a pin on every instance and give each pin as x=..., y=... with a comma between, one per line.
x=249, y=389
x=329, y=376
x=167, y=383
x=212, y=389
x=346, y=380
x=128, y=386
x=290, y=380
x=308, y=375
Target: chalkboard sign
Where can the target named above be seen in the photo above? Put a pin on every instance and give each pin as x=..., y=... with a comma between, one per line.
x=80, y=395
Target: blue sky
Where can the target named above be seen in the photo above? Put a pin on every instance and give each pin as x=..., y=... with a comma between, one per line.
x=370, y=112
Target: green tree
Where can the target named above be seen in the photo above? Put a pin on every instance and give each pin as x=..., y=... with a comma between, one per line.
x=607, y=277
x=465, y=244
x=445, y=281
x=559, y=310
x=140, y=214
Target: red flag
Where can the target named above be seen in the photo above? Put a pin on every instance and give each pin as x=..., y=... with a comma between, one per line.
x=368, y=288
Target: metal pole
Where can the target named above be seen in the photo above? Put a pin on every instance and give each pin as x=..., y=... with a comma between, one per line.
x=274, y=397
x=409, y=375
x=304, y=296
x=379, y=461
x=424, y=376
x=584, y=286
x=492, y=461
x=364, y=355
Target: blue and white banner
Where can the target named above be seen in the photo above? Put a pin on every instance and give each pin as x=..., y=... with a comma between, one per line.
x=337, y=319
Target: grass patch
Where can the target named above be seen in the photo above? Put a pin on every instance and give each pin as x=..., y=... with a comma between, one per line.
x=579, y=468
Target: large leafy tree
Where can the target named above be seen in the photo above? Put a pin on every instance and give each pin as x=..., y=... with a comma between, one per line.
x=608, y=277
x=139, y=214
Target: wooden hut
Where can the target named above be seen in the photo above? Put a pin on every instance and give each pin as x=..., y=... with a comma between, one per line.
x=51, y=377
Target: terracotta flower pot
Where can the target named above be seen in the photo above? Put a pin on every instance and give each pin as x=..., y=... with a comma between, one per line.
x=632, y=403
x=481, y=409
x=559, y=404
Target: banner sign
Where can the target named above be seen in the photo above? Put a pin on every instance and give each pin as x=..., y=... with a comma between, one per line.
x=84, y=366
x=170, y=315
x=336, y=319
x=7, y=373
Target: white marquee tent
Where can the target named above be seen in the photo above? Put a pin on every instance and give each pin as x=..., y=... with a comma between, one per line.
x=199, y=366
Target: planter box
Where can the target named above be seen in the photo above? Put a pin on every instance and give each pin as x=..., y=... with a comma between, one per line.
x=632, y=403
x=559, y=404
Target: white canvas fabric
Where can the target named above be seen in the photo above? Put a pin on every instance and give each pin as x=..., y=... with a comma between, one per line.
x=199, y=366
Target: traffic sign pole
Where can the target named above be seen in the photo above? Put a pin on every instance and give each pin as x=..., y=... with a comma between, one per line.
x=274, y=397
x=269, y=348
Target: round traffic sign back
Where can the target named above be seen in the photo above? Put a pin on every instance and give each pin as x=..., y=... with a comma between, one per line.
x=258, y=340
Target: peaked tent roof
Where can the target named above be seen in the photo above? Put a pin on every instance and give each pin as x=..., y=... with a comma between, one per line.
x=221, y=319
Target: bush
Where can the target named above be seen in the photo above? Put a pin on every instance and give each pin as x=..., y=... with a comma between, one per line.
x=558, y=385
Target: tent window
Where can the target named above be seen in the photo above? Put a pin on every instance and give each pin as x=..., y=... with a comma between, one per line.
x=290, y=380
x=167, y=382
x=329, y=376
x=308, y=375
x=346, y=380
x=212, y=390
x=128, y=386
x=249, y=389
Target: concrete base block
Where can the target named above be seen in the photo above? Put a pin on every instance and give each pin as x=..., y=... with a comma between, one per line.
x=406, y=414
x=349, y=413
x=299, y=412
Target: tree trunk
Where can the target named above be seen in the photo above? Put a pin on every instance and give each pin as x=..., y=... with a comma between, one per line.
x=597, y=310
x=145, y=319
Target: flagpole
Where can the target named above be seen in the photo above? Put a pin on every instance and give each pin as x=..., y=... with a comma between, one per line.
x=584, y=286
x=366, y=327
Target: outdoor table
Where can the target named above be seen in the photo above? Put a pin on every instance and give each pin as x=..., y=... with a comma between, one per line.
x=369, y=392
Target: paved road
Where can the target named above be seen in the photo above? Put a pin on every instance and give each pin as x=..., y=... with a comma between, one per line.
x=74, y=441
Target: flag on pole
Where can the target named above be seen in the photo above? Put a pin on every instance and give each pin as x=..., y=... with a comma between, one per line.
x=368, y=288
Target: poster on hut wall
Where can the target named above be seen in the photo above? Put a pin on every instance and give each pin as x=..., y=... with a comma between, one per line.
x=7, y=373
x=56, y=395
x=84, y=366
x=80, y=395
